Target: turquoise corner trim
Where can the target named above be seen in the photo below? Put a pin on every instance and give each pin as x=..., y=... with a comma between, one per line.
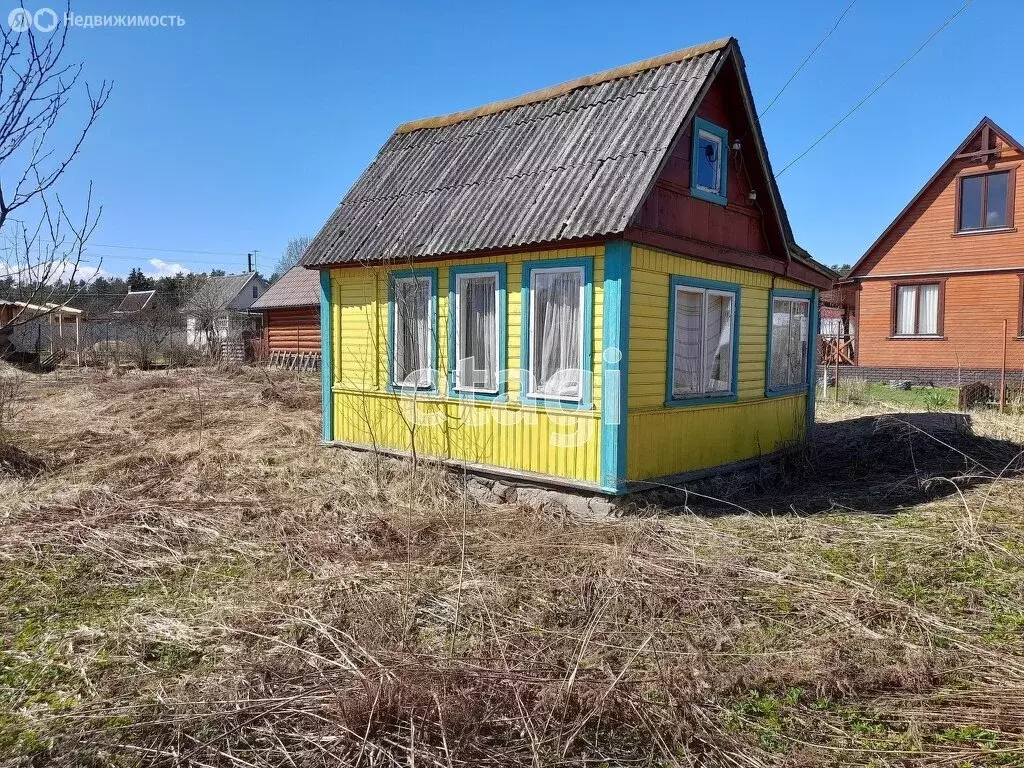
x=326, y=366
x=812, y=361
x=398, y=274
x=586, y=402
x=502, y=310
x=808, y=296
x=714, y=285
x=615, y=365
x=704, y=125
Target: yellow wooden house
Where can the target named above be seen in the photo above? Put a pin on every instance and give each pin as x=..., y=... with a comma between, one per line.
x=594, y=285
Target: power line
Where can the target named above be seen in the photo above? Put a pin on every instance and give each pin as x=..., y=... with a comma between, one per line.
x=809, y=57
x=169, y=250
x=877, y=88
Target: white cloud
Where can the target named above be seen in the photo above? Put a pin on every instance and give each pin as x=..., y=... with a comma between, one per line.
x=168, y=268
x=52, y=270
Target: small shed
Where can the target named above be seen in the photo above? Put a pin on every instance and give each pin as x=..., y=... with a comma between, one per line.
x=291, y=319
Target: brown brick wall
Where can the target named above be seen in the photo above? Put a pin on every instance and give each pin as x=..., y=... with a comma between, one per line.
x=939, y=377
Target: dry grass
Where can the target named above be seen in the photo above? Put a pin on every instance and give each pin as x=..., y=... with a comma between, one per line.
x=189, y=579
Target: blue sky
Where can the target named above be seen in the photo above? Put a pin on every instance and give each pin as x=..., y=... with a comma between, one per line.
x=246, y=126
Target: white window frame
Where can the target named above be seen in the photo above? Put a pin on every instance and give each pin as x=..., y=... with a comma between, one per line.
x=431, y=330
x=533, y=330
x=704, y=293
x=459, y=278
x=713, y=137
x=772, y=386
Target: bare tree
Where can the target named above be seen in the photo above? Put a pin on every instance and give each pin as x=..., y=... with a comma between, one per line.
x=292, y=253
x=148, y=332
x=41, y=241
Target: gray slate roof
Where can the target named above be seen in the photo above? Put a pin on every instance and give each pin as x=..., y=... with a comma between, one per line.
x=217, y=293
x=134, y=301
x=298, y=287
x=569, y=162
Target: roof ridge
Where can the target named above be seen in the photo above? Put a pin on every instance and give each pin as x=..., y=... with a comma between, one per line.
x=551, y=92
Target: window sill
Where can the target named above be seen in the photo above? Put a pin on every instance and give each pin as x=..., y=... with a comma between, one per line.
x=802, y=389
x=710, y=197
x=921, y=337
x=492, y=397
x=683, y=402
x=992, y=231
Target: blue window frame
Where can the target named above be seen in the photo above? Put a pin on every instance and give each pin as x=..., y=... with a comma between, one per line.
x=557, y=342
x=412, y=325
x=477, y=334
x=788, y=367
x=703, y=342
x=710, y=162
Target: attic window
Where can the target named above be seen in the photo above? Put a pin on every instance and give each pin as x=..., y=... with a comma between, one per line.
x=709, y=162
x=985, y=202
x=255, y=292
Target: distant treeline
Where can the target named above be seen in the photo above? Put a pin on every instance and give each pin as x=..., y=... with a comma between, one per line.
x=102, y=294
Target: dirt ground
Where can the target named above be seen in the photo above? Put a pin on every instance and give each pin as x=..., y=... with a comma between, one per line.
x=187, y=577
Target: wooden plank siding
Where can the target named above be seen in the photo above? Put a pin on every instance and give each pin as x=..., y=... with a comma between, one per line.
x=974, y=309
x=980, y=272
x=293, y=330
x=664, y=440
x=508, y=435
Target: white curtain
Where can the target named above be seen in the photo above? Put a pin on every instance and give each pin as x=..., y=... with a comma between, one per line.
x=906, y=310
x=413, y=332
x=718, y=343
x=686, y=362
x=790, y=329
x=557, y=328
x=928, y=295
x=476, y=333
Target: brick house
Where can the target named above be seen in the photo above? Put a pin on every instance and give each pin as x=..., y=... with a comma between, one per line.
x=929, y=297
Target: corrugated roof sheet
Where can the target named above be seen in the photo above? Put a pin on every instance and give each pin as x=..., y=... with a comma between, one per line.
x=570, y=162
x=134, y=301
x=218, y=292
x=298, y=287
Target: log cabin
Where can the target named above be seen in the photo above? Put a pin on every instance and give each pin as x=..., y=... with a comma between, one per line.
x=594, y=285
x=291, y=316
x=939, y=296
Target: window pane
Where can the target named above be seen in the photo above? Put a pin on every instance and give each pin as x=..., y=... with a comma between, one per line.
x=709, y=162
x=928, y=295
x=686, y=362
x=412, y=332
x=906, y=310
x=790, y=329
x=782, y=310
x=970, y=202
x=557, y=332
x=995, y=208
x=798, y=343
x=476, y=333
x=718, y=343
